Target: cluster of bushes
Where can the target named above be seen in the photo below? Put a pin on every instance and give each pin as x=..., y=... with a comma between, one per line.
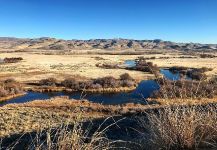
x=13, y=59
x=185, y=89
x=48, y=82
x=110, y=82
x=151, y=58
x=10, y=87
x=142, y=65
x=177, y=69
x=198, y=73
x=207, y=56
x=106, y=82
x=195, y=73
x=187, y=57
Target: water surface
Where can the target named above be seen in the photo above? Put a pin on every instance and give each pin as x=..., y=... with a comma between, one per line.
x=144, y=90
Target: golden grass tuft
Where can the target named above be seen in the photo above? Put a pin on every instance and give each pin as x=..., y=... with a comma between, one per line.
x=181, y=128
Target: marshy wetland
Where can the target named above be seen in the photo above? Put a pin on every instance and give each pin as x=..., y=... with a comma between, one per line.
x=52, y=92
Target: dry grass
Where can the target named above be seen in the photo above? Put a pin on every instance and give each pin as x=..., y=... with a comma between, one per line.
x=63, y=66
x=188, y=119
x=181, y=128
x=185, y=89
x=68, y=136
x=168, y=127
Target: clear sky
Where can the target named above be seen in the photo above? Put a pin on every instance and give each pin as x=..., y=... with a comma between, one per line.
x=174, y=20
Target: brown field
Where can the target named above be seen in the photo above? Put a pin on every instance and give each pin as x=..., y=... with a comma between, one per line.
x=36, y=66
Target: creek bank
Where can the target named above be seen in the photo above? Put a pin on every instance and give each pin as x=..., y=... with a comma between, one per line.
x=6, y=98
x=64, y=89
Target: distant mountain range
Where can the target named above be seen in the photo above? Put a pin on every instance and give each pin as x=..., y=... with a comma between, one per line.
x=107, y=44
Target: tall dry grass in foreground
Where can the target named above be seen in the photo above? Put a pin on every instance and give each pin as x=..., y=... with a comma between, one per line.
x=180, y=128
x=73, y=136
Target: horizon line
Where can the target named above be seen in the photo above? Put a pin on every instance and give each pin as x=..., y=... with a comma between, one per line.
x=86, y=39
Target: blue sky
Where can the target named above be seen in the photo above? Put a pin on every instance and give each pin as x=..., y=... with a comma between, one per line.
x=174, y=20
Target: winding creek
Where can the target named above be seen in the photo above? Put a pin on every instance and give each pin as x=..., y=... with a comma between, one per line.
x=143, y=91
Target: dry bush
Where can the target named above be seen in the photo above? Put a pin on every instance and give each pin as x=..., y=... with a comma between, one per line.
x=126, y=76
x=126, y=80
x=185, y=89
x=79, y=85
x=107, y=82
x=142, y=65
x=151, y=58
x=127, y=83
x=70, y=83
x=163, y=57
x=179, y=69
x=10, y=87
x=13, y=59
x=48, y=82
x=207, y=56
x=194, y=73
x=3, y=92
x=198, y=73
x=180, y=128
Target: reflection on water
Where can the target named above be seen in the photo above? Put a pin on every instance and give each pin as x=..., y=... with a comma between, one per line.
x=170, y=75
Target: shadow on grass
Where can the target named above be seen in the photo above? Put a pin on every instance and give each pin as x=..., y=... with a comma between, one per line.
x=119, y=128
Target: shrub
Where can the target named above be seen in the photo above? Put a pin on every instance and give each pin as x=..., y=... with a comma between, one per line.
x=48, y=82
x=207, y=56
x=125, y=76
x=10, y=81
x=185, y=89
x=107, y=82
x=3, y=92
x=127, y=83
x=197, y=74
x=70, y=83
x=95, y=86
x=85, y=84
x=10, y=87
x=178, y=69
x=13, y=59
x=142, y=65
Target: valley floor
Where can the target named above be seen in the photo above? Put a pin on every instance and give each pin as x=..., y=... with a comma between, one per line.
x=36, y=66
x=20, y=119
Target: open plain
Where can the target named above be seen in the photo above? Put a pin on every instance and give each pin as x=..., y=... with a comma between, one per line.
x=36, y=66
